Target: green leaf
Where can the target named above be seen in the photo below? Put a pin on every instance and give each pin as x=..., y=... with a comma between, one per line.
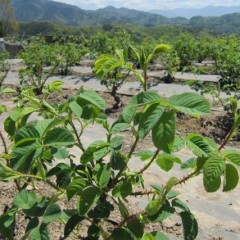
x=231, y=178
x=24, y=157
x=232, y=156
x=95, y=151
x=59, y=153
x=59, y=137
x=122, y=189
x=116, y=142
x=171, y=182
x=190, y=226
x=214, y=167
x=7, y=223
x=122, y=233
x=166, y=161
x=102, y=174
x=45, y=125
x=153, y=206
x=27, y=133
x=120, y=127
x=179, y=143
x=211, y=185
x=2, y=109
x=87, y=199
x=25, y=200
x=190, y=103
x=190, y=163
x=71, y=224
x=163, y=133
x=117, y=160
x=163, y=213
x=149, y=119
x=145, y=154
x=160, y=236
x=75, y=187
x=92, y=97
x=140, y=99
x=40, y=233
x=123, y=209
x=180, y=204
x=76, y=109
x=53, y=213
x=7, y=173
x=136, y=227
x=198, y=145
x=38, y=209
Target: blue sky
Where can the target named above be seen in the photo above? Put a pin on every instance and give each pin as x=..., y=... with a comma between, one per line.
x=150, y=4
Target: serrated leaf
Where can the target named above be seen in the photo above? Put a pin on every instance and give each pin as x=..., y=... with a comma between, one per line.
x=136, y=228
x=190, y=226
x=149, y=119
x=119, y=127
x=117, y=160
x=163, y=133
x=198, y=145
x=40, y=233
x=123, y=209
x=145, y=154
x=71, y=224
x=95, y=151
x=92, y=97
x=214, y=167
x=122, y=233
x=231, y=178
x=7, y=173
x=7, y=223
x=25, y=200
x=232, y=156
x=74, y=187
x=211, y=185
x=140, y=99
x=166, y=161
x=190, y=163
x=59, y=137
x=180, y=204
x=102, y=174
x=76, y=109
x=87, y=199
x=53, y=213
x=190, y=103
x=163, y=213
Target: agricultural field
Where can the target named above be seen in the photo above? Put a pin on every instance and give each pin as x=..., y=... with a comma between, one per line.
x=107, y=138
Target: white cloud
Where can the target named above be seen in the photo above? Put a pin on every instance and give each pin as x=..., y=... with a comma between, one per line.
x=149, y=4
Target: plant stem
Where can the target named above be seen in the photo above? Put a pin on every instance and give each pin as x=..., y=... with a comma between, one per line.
x=77, y=136
x=150, y=162
x=187, y=177
x=4, y=143
x=227, y=139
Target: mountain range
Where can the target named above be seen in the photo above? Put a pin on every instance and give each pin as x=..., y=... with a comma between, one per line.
x=65, y=14
x=209, y=11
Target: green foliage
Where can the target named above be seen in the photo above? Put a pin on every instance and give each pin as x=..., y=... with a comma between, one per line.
x=96, y=178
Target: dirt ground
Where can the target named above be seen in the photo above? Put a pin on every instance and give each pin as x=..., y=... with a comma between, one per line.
x=215, y=126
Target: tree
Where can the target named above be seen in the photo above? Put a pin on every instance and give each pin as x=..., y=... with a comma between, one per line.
x=7, y=22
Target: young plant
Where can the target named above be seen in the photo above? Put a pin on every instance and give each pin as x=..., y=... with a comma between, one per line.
x=37, y=56
x=144, y=57
x=4, y=66
x=96, y=177
x=113, y=70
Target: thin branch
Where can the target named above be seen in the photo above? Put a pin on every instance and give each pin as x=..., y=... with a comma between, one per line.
x=150, y=162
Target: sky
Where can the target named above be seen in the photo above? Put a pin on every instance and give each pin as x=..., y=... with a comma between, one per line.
x=149, y=4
